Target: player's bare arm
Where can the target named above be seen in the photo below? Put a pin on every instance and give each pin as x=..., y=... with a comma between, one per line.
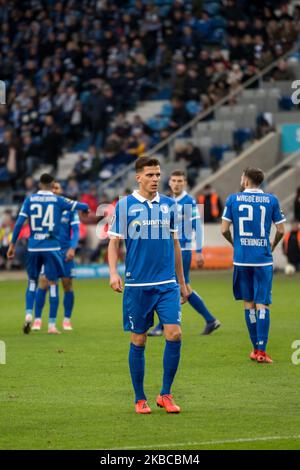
x=225, y=230
x=199, y=260
x=11, y=251
x=280, y=229
x=115, y=282
x=179, y=269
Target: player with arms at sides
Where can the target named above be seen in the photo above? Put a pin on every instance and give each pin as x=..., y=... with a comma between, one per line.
x=190, y=221
x=252, y=212
x=68, y=238
x=147, y=221
x=44, y=211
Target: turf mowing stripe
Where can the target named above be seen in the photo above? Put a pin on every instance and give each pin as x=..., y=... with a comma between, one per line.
x=211, y=443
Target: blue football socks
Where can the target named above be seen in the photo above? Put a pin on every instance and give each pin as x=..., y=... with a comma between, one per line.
x=40, y=298
x=137, y=370
x=30, y=296
x=170, y=364
x=263, y=326
x=250, y=317
x=54, y=301
x=68, y=303
x=197, y=303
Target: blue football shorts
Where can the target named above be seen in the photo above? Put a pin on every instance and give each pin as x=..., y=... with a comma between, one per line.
x=253, y=284
x=51, y=260
x=140, y=303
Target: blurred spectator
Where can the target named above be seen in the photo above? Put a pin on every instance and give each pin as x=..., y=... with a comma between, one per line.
x=32, y=153
x=179, y=115
x=51, y=142
x=6, y=229
x=297, y=205
x=193, y=159
x=291, y=245
x=282, y=72
x=30, y=186
x=72, y=188
x=213, y=206
x=91, y=198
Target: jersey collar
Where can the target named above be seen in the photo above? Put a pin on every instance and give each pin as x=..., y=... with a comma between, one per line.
x=140, y=198
x=181, y=196
x=253, y=190
x=45, y=193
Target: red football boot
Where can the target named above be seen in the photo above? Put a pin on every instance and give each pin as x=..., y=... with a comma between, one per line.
x=253, y=355
x=262, y=356
x=142, y=407
x=167, y=402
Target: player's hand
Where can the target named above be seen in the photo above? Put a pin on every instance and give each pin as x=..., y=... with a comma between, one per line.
x=116, y=283
x=199, y=260
x=183, y=293
x=10, y=252
x=70, y=254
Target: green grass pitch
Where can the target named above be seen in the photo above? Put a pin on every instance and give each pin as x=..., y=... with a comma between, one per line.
x=74, y=392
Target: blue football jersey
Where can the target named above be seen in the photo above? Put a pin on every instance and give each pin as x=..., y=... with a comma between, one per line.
x=146, y=227
x=44, y=212
x=189, y=222
x=252, y=213
x=68, y=221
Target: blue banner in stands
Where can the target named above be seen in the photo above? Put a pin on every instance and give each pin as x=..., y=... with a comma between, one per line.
x=290, y=138
x=95, y=271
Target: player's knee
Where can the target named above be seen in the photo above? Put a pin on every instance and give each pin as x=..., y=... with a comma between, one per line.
x=173, y=335
x=67, y=284
x=43, y=284
x=138, y=340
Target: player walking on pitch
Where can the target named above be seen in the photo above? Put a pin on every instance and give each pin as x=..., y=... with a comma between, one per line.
x=69, y=238
x=148, y=222
x=189, y=221
x=43, y=211
x=252, y=212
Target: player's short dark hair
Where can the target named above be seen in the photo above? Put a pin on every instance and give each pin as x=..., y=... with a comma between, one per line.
x=178, y=173
x=256, y=175
x=145, y=161
x=46, y=179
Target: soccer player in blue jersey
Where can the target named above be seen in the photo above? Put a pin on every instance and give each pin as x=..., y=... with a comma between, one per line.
x=147, y=221
x=252, y=213
x=190, y=221
x=69, y=238
x=43, y=211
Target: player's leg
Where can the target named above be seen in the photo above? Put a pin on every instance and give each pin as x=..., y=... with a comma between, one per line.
x=251, y=322
x=243, y=289
x=40, y=298
x=169, y=311
x=262, y=295
x=54, y=269
x=67, y=283
x=33, y=267
x=136, y=361
x=194, y=299
x=138, y=318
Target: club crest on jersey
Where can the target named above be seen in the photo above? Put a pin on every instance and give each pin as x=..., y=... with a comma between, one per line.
x=164, y=208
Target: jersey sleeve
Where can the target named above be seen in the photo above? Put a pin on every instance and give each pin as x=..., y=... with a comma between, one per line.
x=227, y=213
x=25, y=209
x=197, y=226
x=75, y=229
x=277, y=216
x=118, y=227
x=23, y=215
x=69, y=205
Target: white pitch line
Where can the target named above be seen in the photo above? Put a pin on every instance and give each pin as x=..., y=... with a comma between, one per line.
x=209, y=443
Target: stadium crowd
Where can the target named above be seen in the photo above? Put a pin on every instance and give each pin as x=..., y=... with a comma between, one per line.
x=73, y=68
